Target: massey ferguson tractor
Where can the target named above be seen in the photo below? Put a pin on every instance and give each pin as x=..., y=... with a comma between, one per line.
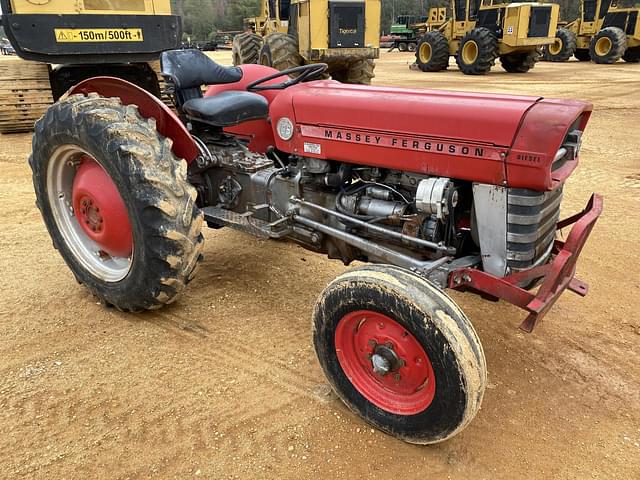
x=434, y=189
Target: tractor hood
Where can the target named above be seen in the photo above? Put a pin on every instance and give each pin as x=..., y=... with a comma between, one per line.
x=461, y=135
x=490, y=119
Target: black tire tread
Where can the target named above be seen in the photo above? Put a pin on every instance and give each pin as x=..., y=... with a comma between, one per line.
x=161, y=197
x=246, y=48
x=487, y=51
x=439, y=52
x=520, y=62
x=618, y=47
x=632, y=55
x=282, y=51
x=433, y=302
x=569, y=42
x=582, y=54
x=361, y=71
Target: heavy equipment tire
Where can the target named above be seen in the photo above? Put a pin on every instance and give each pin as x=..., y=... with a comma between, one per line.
x=116, y=202
x=608, y=45
x=520, y=62
x=430, y=371
x=358, y=72
x=563, y=47
x=403, y=47
x=477, y=52
x=280, y=51
x=632, y=55
x=25, y=94
x=432, y=52
x=246, y=48
x=582, y=54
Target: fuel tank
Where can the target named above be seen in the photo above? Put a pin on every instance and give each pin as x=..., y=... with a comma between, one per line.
x=487, y=138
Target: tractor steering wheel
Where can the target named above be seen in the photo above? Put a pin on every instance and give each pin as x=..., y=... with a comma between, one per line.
x=306, y=72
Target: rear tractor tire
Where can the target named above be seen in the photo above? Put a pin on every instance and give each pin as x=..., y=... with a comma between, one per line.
x=520, y=62
x=608, y=45
x=116, y=202
x=246, y=48
x=432, y=53
x=280, y=51
x=477, y=52
x=399, y=353
x=562, y=49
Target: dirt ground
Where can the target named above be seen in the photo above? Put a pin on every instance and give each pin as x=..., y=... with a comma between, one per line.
x=225, y=383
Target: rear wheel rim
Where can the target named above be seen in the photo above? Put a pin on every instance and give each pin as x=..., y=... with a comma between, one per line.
x=385, y=362
x=603, y=46
x=556, y=47
x=425, y=52
x=470, y=52
x=90, y=215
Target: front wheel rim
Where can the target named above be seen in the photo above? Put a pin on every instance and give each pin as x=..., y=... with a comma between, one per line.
x=470, y=52
x=556, y=47
x=101, y=241
x=603, y=46
x=385, y=362
x=425, y=53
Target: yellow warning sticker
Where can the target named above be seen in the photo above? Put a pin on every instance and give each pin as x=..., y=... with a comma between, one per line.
x=69, y=35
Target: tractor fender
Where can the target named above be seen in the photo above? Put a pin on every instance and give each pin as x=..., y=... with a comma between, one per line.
x=167, y=122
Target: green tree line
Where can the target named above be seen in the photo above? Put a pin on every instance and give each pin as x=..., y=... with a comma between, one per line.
x=203, y=18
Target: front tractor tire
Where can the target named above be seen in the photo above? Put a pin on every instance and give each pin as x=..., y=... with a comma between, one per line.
x=280, y=51
x=432, y=53
x=608, y=45
x=116, y=202
x=519, y=62
x=563, y=47
x=477, y=52
x=246, y=48
x=399, y=353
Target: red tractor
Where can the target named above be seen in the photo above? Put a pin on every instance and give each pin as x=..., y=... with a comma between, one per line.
x=435, y=189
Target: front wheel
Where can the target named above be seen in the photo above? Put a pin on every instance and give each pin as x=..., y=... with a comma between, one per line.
x=477, y=52
x=116, y=202
x=562, y=48
x=400, y=353
x=432, y=54
x=608, y=45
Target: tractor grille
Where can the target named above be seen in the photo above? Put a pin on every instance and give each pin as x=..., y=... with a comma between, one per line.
x=539, y=22
x=531, y=227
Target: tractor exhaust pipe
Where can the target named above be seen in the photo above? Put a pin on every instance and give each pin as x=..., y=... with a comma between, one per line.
x=375, y=228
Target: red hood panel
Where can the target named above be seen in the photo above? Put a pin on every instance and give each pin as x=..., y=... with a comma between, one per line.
x=487, y=119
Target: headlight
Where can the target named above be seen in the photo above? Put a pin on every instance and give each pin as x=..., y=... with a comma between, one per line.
x=285, y=128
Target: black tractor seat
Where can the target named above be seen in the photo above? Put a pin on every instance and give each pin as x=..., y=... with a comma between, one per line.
x=227, y=109
x=191, y=68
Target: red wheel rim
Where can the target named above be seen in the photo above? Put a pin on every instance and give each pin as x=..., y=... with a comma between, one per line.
x=385, y=362
x=100, y=210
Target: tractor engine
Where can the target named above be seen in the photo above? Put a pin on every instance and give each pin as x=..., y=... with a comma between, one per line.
x=333, y=203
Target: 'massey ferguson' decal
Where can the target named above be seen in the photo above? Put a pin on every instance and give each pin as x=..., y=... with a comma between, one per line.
x=402, y=142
